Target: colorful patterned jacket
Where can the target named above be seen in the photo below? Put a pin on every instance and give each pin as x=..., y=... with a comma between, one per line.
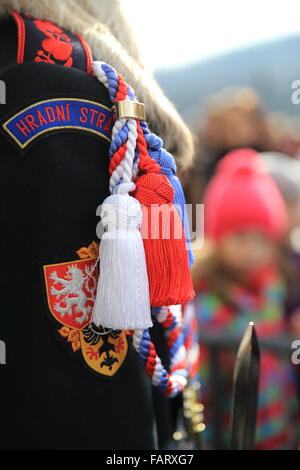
x=278, y=419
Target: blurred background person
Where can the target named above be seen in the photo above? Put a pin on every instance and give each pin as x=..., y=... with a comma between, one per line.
x=237, y=280
x=283, y=133
x=285, y=171
x=233, y=118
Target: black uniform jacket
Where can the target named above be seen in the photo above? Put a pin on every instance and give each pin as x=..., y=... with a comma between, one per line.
x=64, y=385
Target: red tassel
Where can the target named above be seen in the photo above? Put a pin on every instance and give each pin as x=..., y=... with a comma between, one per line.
x=164, y=242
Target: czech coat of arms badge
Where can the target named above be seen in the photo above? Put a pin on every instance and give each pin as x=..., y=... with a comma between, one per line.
x=71, y=289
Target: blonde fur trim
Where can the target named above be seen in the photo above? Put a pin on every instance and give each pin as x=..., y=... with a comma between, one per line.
x=104, y=27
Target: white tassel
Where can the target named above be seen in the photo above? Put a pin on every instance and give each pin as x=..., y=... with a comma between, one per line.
x=122, y=301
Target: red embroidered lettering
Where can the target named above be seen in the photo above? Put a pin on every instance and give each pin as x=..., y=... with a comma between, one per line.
x=100, y=120
x=30, y=121
x=60, y=112
x=42, y=120
x=93, y=111
x=108, y=125
x=83, y=114
x=50, y=114
x=68, y=111
x=24, y=129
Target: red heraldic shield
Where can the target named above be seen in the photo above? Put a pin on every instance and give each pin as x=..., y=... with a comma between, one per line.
x=71, y=289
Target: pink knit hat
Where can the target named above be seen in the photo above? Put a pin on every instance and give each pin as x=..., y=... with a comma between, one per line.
x=243, y=196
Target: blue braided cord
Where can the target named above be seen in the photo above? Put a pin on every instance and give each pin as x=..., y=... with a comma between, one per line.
x=145, y=346
x=144, y=354
x=146, y=130
x=180, y=340
x=179, y=200
x=144, y=349
x=119, y=140
x=175, y=346
x=173, y=325
x=130, y=93
x=166, y=161
x=154, y=142
x=163, y=381
x=165, y=169
x=146, y=337
x=113, y=82
x=122, y=136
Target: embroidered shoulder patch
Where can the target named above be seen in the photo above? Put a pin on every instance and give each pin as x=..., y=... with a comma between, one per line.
x=57, y=115
x=71, y=289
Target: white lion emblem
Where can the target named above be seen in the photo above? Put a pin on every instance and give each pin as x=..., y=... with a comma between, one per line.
x=74, y=282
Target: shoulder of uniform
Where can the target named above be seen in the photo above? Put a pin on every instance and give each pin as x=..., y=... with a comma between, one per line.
x=8, y=42
x=36, y=79
x=42, y=97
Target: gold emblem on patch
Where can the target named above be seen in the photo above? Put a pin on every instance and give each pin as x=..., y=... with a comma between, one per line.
x=104, y=350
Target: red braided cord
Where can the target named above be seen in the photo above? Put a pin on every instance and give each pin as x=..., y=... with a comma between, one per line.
x=122, y=89
x=169, y=320
x=146, y=163
x=151, y=361
x=117, y=158
x=120, y=153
